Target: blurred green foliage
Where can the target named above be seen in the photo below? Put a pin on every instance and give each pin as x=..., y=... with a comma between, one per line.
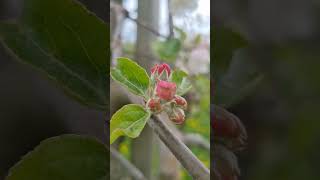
x=198, y=118
x=167, y=50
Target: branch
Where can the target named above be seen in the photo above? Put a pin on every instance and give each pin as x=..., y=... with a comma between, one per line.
x=131, y=169
x=196, y=140
x=170, y=19
x=145, y=26
x=188, y=160
x=184, y=155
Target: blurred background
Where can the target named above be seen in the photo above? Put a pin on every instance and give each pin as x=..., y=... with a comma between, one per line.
x=176, y=32
x=33, y=108
x=266, y=59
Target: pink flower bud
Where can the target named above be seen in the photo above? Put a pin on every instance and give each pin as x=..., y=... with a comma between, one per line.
x=166, y=90
x=164, y=67
x=177, y=116
x=154, y=68
x=226, y=124
x=228, y=128
x=180, y=101
x=160, y=68
x=154, y=105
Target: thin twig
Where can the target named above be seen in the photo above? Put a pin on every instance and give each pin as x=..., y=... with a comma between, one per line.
x=145, y=26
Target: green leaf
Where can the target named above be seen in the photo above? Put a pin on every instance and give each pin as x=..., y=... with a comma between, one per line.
x=226, y=42
x=131, y=75
x=129, y=120
x=181, y=80
x=64, y=157
x=168, y=50
x=241, y=79
x=66, y=42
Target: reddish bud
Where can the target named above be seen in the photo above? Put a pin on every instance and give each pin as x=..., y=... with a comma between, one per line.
x=154, y=105
x=180, y=101
x=228, y=127
x=166, y=90
x=164, y=67
x=154, y=68
x=177, y=116
x=223, y=127
x=160, y=68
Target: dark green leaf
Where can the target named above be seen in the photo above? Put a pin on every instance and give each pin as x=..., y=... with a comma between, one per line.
x=239, y=81
x=129, y=120
x=131, y=75
x=64, y=158
x=68, y=43
x=225, y=42
x=181, y=80
x=168, y=50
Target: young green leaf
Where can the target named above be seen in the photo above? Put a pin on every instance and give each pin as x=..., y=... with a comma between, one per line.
x=64, y=157
x=181, y=80
x=131, y=75
x=65, y=41
x=168, y=50
x=129, y=120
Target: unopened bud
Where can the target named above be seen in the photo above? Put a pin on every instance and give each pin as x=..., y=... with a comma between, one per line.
x=159, y=68
x=154, y=105
x=180, y=101
x=177, y=116
x=228, y=128
x=166, y=90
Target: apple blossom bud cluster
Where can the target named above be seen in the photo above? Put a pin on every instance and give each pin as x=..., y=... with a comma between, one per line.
x=164, y=95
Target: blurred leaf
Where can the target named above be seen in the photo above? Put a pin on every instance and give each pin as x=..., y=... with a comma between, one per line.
x=64, y=157
x=168, y=50
x=197, y=40
x=129, y=120
x=225, y=42
x=131, y=75
x=199, y=107
x=125, y=148
x=67, y=42
x=181, y=80
x=182, y=34
x=240, y=80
